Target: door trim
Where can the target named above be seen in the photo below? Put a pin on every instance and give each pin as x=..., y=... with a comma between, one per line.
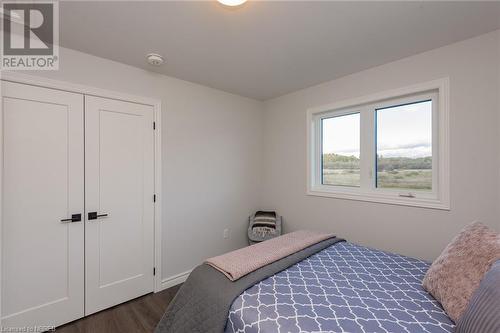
x=98, y=92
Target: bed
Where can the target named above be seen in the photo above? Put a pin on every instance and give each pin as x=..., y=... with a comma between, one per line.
x=343, y=288
x=333, y=286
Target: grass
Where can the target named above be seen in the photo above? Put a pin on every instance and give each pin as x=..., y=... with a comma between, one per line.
x=405, y=179
x=409, y=179
x=341, y=177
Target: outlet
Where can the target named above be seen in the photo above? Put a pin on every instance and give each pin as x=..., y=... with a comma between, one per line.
x=225, y=233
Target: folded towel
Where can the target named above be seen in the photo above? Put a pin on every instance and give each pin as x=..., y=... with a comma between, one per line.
x=240, y=262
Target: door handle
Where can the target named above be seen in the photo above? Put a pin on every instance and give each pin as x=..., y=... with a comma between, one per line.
x=95, y=216
x=74, y=218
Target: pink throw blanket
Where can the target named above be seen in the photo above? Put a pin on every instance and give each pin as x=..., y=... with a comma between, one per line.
x=240, y=262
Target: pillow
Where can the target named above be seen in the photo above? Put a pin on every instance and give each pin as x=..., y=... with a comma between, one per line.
x=483, y=312
x=456, y=273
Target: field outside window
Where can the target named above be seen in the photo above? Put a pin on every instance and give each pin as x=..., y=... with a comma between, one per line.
x=340, y=150
x=404, y=146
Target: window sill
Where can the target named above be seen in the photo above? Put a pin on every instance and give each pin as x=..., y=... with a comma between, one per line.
x=385, y=198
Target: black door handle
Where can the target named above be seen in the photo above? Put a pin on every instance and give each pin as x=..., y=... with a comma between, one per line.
x=94, y=215
x=74, y=218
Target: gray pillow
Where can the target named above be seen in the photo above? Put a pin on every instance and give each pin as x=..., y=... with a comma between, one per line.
x=483, y=311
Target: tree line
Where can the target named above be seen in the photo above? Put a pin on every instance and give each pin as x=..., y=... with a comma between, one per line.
x=335, y=161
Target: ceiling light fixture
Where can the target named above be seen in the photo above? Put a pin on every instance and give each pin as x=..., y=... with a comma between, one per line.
x=232, y=3
x=155, y=59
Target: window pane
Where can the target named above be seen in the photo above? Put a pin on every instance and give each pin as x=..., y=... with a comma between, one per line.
x=340, y=150
x=404, y=146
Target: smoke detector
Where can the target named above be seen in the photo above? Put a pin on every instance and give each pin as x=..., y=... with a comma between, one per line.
x=155, y=59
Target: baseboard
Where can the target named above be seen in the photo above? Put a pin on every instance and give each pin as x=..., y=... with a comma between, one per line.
x=174, y=280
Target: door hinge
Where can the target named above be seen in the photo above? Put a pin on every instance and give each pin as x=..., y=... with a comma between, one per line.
x=154, y=125
x=154, y=270
x=154, y=197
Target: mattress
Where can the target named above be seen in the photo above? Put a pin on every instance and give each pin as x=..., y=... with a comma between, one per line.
x=343, y=288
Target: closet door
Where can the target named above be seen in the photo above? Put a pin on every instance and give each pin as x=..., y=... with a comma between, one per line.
x=42, y=254
x=119, y=181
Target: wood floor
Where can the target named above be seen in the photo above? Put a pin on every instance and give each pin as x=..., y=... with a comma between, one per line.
x=136, y=316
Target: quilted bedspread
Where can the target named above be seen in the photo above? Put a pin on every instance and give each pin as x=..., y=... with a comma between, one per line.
x=343, y=288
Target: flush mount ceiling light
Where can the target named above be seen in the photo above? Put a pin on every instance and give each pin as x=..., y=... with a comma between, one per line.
x=155, y=59
x=232, y=2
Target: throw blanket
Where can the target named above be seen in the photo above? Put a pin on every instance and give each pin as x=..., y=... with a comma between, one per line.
x=239, y=263
x=203, y=302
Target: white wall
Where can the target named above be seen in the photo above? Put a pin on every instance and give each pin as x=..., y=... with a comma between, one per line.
x=212, y=147
x=225, y=156
x=473, y=69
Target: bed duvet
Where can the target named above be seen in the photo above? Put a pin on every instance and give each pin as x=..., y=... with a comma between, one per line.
x=203, y=302
x=343, y=288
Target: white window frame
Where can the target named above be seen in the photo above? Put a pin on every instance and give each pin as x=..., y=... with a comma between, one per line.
x=438, y=198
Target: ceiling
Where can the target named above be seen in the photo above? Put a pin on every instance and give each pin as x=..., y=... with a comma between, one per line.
x=266, y=49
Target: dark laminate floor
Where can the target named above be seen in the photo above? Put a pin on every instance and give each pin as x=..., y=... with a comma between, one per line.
x=138, y=315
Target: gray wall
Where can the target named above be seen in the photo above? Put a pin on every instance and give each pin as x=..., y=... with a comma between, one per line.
x=212, y=152
x=473, y=69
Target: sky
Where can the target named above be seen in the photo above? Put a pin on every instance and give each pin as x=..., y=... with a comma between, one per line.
x=402, y=131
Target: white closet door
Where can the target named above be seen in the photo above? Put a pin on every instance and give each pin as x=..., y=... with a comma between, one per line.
x=119, y=180
x=42, y=183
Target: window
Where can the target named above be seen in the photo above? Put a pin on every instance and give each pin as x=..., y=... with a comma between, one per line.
x=389, y=148
x=404, y=146
x=340, y=153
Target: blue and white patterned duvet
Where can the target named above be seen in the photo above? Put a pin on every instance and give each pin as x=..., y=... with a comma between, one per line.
x=344, y=288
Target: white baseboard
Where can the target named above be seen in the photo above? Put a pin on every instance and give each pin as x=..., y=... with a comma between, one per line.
x=174, y=280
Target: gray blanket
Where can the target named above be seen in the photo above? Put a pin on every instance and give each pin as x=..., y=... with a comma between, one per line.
x=203, y=302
